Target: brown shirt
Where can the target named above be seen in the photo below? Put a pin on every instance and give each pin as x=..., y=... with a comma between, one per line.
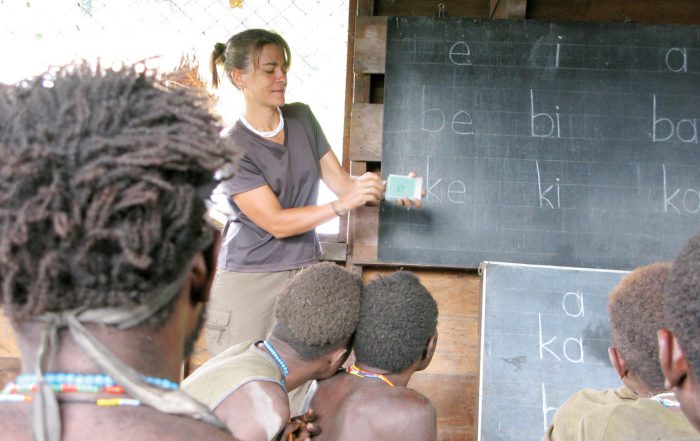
x=641, y=420
x=568, y=416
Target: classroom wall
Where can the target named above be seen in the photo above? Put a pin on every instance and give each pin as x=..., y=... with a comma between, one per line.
x=451, y=381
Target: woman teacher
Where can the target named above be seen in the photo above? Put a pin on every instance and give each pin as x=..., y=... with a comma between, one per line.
x=271, y=234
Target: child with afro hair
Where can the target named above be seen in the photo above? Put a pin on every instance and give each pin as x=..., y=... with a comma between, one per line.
x=396, y=337
x=640, y=409
x=247, y=385
x=679, y=341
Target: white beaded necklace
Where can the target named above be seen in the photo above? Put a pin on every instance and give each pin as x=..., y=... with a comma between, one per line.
x=269, y=134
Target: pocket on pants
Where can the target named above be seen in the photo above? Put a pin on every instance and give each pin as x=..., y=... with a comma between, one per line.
x=216, y=327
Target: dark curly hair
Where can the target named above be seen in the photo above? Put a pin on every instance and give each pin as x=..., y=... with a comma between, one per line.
x=636, y=312
x=318, y=310
x=103, y=181
x=683, y=300
x=399, y=316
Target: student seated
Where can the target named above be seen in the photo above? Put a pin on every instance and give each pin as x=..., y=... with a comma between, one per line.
x=679, y=340
x=396, y=337
x=639, y=410
x=106, y=259
x=246, y=385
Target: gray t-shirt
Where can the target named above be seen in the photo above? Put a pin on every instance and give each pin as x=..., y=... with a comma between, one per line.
x=293, y=172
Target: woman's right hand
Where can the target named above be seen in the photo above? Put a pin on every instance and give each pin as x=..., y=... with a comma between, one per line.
x=365, y=189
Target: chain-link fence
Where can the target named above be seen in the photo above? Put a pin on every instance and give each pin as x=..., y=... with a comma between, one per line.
x=35, y=33
x=38, y=33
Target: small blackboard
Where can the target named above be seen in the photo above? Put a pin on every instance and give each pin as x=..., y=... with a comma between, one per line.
x=544, y=335
x=571, y=144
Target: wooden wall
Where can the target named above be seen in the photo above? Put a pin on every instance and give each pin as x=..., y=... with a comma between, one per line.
x=452, y=380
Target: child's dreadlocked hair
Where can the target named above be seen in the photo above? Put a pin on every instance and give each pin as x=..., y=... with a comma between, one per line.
x=103, y=179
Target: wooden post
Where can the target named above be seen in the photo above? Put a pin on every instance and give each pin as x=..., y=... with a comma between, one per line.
x=360, y=94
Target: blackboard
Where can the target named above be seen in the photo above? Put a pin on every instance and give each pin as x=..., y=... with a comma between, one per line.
x=571, y=144
x=544, y=335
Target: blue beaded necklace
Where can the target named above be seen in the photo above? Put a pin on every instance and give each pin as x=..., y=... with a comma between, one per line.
x=65, y=382
x=280, y=362
x=98, y=380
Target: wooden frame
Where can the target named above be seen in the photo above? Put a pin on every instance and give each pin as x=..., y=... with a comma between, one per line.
x=514, y=9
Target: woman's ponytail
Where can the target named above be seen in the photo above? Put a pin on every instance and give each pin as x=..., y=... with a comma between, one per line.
x=217, y=57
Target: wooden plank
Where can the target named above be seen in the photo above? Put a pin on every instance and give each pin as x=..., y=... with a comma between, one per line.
x=456, y=433
x=369, y=56
x=361, y=88
x=370, y=45
x=458, y=293
x=366, y=227
x=454, y=398
x=356, y=169
x=429, y=8
x=366, y=132
x=8, y=345
x=349, y=80
x=458, y=346
x=513, y=9
x=638, y=11
x=365, y=7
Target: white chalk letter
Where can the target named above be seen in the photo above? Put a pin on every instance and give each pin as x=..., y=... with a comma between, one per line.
x=657, y=121
x=439, y=115
x=534, y=116
x=579, y=303
x=694, y=205
x=693, y=129
x=579, y=343
x=543, y=194
x=460, y=190
x=545, y=410
x=459, y=54
x=669, y=200
x=683, y=65
x=464, y=124
x=544, y=345
x=429, y=189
